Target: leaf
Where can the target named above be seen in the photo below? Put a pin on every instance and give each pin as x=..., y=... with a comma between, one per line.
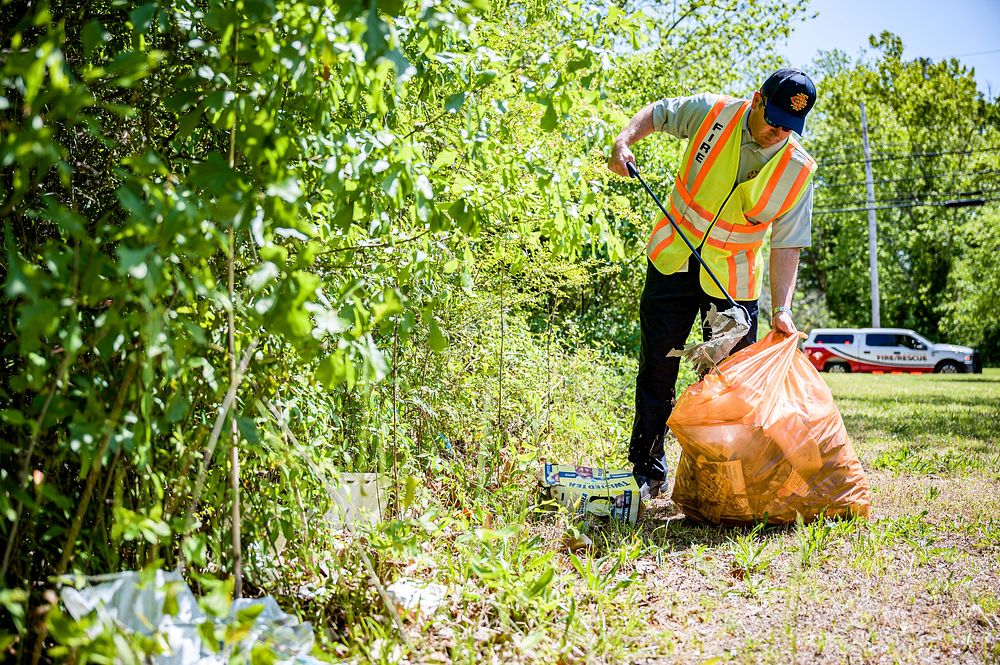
x=188, y=122
x=266, y=273
x=454, y=102
x=462, y=212
x=444, y=159
x=437, y=340
x=549, y=119
x=93, y=35
x=375, y=34
x=36, y=322
x=410, y=491
x=177, y=408
x=248, y=428
x=133, y=261
x=142, y=16
x=12, y=417
x=486, y=78
x=389, y=305
x=542, y=582
x=423, y=186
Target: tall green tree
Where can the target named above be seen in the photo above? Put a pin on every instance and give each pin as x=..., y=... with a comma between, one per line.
x=935, y=141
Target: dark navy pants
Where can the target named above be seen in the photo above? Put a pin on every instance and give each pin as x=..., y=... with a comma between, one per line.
x=666, y=313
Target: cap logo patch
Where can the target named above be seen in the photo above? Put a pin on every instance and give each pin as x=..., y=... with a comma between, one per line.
x=799, y=101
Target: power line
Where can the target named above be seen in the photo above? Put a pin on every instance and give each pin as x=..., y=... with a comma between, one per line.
x=966, y=55
x=911, y=198
x=911, y=155
x=955, y=203
x=929, y=176
x=855, y=146
x=905, y=198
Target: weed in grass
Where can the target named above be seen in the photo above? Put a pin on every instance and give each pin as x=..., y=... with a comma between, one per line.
x=751, y=557
x=927, y=555
x=925, y=462
x=989, y=534
x=813, y=539
x=946, y=585
x=988, y=602
x=820, y=645
x=598, y=580
x=697, y=553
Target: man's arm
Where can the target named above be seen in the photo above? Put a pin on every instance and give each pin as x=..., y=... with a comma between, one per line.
x=784, y=267
x=638, y=128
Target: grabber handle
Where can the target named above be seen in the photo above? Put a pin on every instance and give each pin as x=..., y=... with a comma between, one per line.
x=634, y=172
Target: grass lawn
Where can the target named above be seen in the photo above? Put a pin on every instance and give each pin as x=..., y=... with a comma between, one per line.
x=918, y=582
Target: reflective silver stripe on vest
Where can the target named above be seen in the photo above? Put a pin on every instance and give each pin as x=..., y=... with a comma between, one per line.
x=662, y=234
x=718, y=233
x=744, y=274
x=786, y=181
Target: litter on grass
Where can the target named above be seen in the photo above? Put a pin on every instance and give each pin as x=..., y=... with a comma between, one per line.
x=414, y=597
x=359, y=498
x=585, y=490
x=161, y=606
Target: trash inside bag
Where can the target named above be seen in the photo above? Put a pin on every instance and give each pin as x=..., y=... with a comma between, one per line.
x=761, y=439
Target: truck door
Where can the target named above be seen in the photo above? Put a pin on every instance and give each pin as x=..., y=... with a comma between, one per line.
x=896, y=351
x=883, y=351
x=914, y=353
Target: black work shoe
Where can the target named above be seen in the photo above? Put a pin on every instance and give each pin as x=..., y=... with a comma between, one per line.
x=649, y=488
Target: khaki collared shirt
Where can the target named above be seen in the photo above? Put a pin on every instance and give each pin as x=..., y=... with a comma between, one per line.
x=681, y=117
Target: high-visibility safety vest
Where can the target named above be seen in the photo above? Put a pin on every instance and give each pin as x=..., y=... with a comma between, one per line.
x=707, y=200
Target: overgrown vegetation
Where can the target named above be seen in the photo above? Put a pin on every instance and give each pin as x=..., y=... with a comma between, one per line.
x=247, y=245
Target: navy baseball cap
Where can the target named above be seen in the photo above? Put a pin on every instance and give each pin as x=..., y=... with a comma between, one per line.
x=790, y=95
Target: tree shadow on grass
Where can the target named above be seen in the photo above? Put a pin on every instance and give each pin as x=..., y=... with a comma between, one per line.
x=935, y=430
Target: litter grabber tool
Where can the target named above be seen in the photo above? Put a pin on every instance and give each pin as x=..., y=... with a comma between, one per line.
x=728, y=327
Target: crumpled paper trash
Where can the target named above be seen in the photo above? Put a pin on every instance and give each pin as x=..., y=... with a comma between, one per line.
x=130, y=605
x=728, y=328
x=414, y=597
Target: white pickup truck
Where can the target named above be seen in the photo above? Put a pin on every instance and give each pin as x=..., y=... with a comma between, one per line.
x=886, y=350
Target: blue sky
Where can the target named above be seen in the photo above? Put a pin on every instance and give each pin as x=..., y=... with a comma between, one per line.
x=967, y=29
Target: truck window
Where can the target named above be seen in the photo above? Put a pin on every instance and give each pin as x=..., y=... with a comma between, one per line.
x=880, y=339
x=834, y=338
x=910, y=342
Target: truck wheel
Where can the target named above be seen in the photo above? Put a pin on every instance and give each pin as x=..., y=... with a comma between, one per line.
x=948, y=367
x=838, y=368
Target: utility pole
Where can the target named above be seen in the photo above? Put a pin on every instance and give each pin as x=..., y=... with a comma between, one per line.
x=872, y=243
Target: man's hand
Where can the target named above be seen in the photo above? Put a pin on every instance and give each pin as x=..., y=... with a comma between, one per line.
x=638, y=128
x=783, y=324
x=620, y=156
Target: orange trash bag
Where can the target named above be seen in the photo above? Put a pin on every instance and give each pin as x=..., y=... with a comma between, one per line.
x=762, y=439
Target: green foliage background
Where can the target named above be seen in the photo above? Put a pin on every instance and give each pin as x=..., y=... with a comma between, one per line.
x=245, y=244
x=934, y=139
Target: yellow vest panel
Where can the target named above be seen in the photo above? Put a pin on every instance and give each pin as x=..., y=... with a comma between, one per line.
x=728, y=220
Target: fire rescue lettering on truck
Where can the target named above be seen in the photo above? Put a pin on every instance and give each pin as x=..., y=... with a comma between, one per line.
x=706, y=145
x=903, y=356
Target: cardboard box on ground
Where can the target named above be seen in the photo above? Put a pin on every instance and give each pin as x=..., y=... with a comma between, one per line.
x=585, y=490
